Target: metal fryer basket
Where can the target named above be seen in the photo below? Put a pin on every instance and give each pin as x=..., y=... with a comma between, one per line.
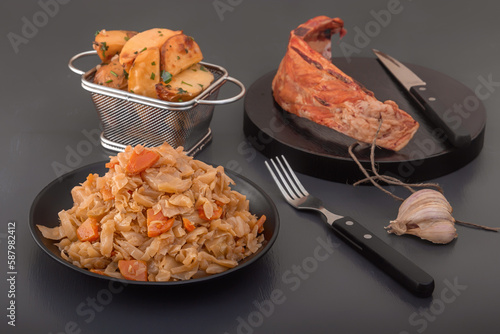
x=131, y=119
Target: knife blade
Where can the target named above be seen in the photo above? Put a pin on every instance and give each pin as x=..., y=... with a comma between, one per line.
x=433, y=108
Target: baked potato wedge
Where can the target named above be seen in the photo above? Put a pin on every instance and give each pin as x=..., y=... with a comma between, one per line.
x=111, y=75
x=185, y=85
x=108, y=43
x=179, y=53
x=145, y=73
x=152, y=38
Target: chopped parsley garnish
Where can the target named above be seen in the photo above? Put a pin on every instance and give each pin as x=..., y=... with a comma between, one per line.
x=181, y=91
x=153, y=63
x=187, y=51
x=185, y=83
x=153, y=75
x=203, y=68
x=132, y=91
x=200, y=86
x=126, y=38
x=125, y=74
x=104, y=48
x=145, y=48
x=178, y=57
x=113, y=73
x=97, y=32
x=166, y=77
x=109, y=81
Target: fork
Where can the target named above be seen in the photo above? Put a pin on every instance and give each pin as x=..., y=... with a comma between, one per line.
x=370, y=246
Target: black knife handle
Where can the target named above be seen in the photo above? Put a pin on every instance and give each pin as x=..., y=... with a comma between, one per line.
x=385, y=257
x=441, y=116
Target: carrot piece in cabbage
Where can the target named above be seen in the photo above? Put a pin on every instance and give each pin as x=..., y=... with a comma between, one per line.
x=107, y=194
x=158, y=223
x=139, y=162
x=92, y=177
x=98, y=271
x=88, y=231
x=134, y=270
x=216, y=215
x=112, y=164
x=260, y=223
x=188, y=225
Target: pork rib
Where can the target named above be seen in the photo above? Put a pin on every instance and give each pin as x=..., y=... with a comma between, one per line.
x=309, y=85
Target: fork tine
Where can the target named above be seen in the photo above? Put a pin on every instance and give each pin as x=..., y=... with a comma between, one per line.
x=290, y=181
x=293, y=194
x=278, y=182
x=297, y=182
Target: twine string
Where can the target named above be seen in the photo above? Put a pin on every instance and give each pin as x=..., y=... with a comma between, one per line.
x=376, y=177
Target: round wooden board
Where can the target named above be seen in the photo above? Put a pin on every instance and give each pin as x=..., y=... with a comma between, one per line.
x=322, y=152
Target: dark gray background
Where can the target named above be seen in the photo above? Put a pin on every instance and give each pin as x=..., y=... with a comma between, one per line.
x=45, y=114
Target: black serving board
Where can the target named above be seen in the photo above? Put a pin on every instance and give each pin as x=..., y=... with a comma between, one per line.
x=322, y=152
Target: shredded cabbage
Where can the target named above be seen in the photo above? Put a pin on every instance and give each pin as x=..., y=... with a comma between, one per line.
x=175, y=186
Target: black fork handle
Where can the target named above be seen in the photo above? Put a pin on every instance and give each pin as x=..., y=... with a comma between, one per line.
x=385, y=257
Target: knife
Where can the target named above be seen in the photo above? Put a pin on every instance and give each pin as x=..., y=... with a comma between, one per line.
x=429, y=101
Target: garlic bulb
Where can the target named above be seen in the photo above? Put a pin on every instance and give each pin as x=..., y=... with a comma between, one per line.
x=425, y=214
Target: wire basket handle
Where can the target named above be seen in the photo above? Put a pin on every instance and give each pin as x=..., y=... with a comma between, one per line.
x=77, y=56
x=228, y=100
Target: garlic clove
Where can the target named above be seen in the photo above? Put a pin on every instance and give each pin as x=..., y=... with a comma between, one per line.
x=438, y=232
x=426, y=214
x=424, y=197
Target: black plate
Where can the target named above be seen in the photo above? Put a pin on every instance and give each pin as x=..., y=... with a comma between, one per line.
x=56, y=196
